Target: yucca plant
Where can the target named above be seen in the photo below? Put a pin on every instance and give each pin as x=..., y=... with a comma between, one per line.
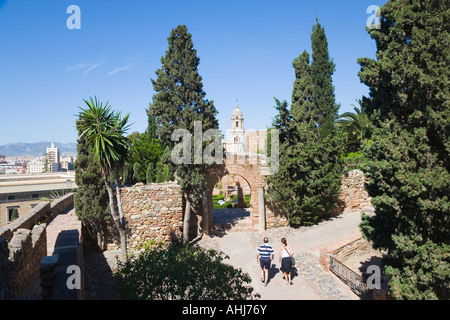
x=104, y=132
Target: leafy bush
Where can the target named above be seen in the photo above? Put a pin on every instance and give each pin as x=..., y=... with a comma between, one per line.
x=181, y=273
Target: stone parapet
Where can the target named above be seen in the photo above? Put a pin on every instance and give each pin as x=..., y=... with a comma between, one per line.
x=23, y=243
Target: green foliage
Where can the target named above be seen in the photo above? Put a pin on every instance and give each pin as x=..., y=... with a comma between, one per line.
x=150, y=173
x=136, y=172
x=182, y=273
x=307, y=183
x=91, y=197
x=103, y=131
x=143, y=151
x=357, y=128
x=322, y=69
x=179, y=101
x=152, y=130
x=159, y=172
x=127, y=175
x=408, y=160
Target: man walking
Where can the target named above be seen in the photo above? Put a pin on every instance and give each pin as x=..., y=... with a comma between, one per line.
x=264, y=257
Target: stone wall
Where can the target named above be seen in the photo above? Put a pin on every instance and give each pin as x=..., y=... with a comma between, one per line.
x=20, y=258
x=153, y=212
x=27, y=221
x=62, y=204
x=354, y=195
x=23, y=243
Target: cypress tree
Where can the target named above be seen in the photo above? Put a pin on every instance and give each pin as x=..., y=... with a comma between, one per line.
x=136, y=172
x=322, y=69
x=150, y=173
x=409, y=158
x=91, y=198
x=307, y=183
x=178, y=102
x=159, y=172
x=151, y=127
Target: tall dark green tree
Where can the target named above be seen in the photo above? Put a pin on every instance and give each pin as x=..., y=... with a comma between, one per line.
x=409, y=158
x=307, y=183
x=179, y=101
x=152, y=129
x=91, y=198
x=137, y=172
x=150, y=173
x=322, y=69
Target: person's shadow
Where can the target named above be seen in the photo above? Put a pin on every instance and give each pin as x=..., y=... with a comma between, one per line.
x=273, y=271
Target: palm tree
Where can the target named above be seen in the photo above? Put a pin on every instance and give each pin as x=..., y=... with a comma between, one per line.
x=104, y=132
x=356, y=126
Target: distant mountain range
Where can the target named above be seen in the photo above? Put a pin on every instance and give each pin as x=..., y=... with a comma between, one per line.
x=36, y=149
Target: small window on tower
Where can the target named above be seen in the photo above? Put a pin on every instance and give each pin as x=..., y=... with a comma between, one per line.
x=237, y=124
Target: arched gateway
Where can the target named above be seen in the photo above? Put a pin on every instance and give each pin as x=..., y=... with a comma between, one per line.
x=253, y=168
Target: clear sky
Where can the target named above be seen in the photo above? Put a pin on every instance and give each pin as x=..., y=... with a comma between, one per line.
x=246, y=49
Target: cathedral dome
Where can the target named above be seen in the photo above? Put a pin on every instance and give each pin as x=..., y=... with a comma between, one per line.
x=237, y=113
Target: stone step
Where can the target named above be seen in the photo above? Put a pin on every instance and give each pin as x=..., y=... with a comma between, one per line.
x=241, y=225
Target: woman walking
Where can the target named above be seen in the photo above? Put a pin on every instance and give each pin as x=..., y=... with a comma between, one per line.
x=286, y=254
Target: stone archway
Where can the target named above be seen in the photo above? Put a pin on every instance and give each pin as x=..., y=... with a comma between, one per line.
x=252, y=169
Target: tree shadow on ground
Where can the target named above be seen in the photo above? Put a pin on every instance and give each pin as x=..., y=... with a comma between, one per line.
x=99, y=268
x=225, y=219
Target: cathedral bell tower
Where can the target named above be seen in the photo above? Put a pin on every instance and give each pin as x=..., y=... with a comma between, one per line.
x=237, y=133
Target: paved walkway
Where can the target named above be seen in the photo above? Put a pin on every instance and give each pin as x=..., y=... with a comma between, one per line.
x=311, y=282
x=63, y=232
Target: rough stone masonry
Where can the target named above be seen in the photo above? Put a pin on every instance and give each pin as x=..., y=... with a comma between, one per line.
x=153, y=212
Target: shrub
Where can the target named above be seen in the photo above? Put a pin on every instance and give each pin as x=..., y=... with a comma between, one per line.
x=181, y=273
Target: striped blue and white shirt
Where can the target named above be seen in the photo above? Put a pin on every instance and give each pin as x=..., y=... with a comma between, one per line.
x=265, y=250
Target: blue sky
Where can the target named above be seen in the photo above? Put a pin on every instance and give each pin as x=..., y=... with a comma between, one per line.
x=246, y=49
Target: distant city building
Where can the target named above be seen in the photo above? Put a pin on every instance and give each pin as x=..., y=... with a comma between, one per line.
x=19, y=194
x=54, y=167
x=35, y=167
x=52, y=153
x=67, y=163
x=52, y=160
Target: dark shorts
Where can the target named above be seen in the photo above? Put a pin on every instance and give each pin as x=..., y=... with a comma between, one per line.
x=265, y=263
